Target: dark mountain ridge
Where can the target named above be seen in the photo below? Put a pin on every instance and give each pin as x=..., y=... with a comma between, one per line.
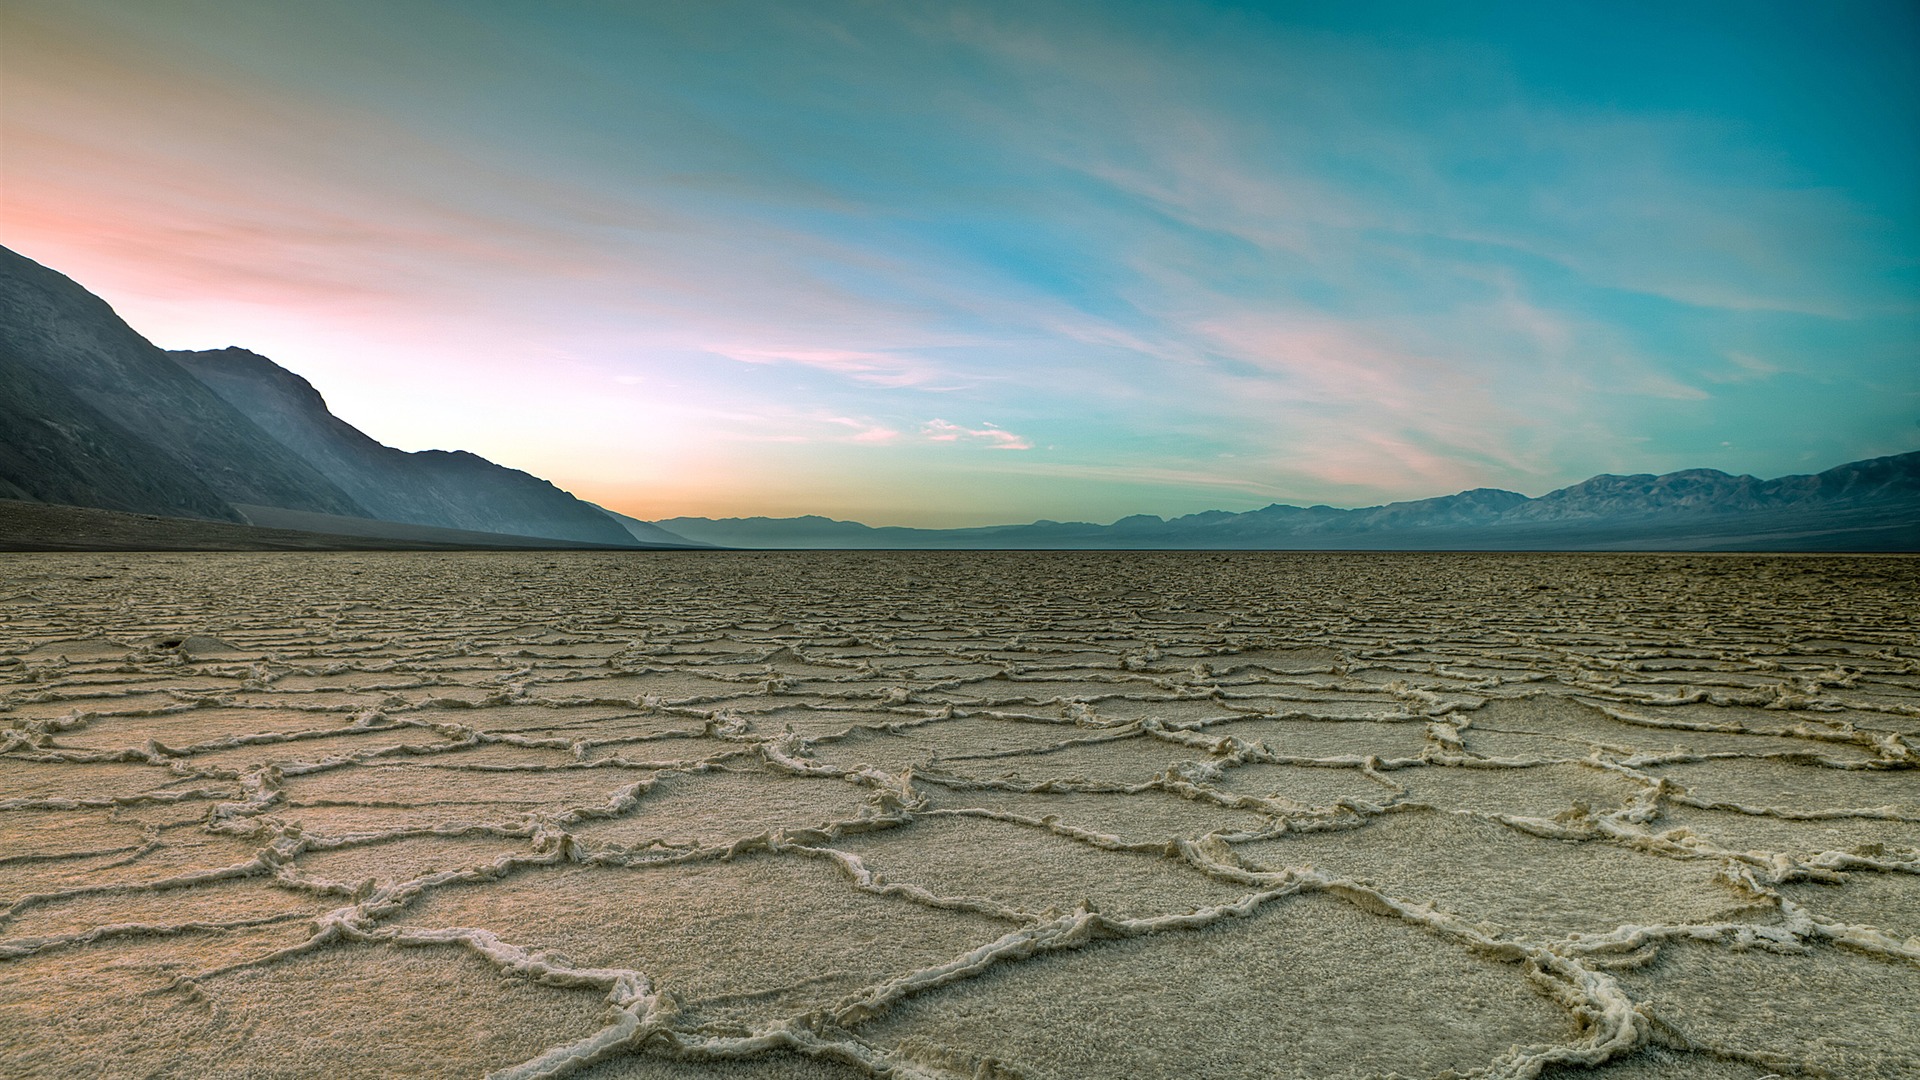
x=95, y=415
x=447, y=488
x=96, y=411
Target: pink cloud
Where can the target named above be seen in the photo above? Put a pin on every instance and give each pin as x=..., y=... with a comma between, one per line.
x=866, y=431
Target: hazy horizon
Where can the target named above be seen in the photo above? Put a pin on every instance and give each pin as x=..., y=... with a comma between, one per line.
x=941, y=266
x=1169, y=517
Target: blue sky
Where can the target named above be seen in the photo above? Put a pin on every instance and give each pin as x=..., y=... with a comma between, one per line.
x=953, y=264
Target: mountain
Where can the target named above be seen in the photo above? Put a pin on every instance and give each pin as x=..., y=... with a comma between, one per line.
x=1710, y=491
x=449, y=489
x=94, y=415
x=810, y=531
x=38, y=526
x=646, y=532
x=1871, y=505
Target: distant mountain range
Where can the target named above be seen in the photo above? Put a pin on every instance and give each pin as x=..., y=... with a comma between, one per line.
x=94, y=415
x=1869, y=505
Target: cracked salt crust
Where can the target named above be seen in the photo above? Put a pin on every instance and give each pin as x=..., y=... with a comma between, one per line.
x=759, y=816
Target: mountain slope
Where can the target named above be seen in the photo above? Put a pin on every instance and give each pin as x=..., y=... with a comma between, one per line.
x=95, y=411
x=92, y=414
x=56, y=448
x=646, y=532
x=38, y=526
x=448, y=489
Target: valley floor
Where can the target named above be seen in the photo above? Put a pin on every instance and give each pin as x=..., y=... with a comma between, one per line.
x=765, y=816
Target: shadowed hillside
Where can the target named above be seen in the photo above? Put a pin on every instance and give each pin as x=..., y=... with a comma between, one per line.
x=95, y=415
x=451, y=489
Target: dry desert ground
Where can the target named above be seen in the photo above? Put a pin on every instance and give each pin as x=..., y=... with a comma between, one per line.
x=767, y=816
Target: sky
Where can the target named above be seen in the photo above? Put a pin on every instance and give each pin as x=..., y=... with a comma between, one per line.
x=948, y=264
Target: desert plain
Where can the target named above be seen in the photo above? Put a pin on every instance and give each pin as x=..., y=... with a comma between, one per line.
x=770, y=816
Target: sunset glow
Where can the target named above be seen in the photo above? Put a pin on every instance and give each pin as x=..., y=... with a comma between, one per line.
x=946, y=265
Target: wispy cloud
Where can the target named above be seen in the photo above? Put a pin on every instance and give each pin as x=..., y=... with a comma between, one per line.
x=873, y=368
x=1743, y=367
x=1218, y=254
x=866, y=431
x=995, y=438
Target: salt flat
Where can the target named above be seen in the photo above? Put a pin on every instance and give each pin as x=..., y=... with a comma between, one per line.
x=767, y=816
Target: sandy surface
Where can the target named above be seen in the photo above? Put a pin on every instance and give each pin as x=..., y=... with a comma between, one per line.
x=756, y=816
